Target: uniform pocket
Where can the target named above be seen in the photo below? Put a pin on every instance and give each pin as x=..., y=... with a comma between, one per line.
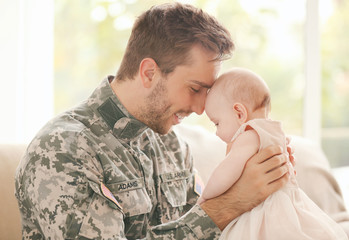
x=174, y=187
x=98, y=218
x=102, y=222
x=132, y=196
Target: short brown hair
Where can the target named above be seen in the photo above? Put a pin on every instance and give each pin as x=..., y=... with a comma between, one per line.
x=167, y=32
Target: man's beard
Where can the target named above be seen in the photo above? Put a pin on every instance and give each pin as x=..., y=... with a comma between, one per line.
x=156, y=111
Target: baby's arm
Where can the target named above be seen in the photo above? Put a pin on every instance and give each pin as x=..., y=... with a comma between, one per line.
x=230, y=169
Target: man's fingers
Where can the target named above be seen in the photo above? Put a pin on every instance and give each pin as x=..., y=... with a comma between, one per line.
x=279, y=183
x=275, y=162
x=277, y=173
x=292, y=160
x=266, y=172
x=266, y=154
x=290, y=151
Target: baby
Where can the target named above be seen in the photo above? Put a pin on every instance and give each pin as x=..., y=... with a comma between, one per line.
x=239, y=105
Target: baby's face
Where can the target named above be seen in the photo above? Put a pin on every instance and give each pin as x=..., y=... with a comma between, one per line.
x=222, y=115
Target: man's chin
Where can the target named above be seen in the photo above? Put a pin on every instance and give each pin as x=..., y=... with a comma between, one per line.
x=161, y=129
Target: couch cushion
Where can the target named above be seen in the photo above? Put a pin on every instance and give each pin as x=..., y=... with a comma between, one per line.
x=10, y=226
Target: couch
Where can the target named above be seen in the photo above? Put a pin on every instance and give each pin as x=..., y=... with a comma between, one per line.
x=207, y=150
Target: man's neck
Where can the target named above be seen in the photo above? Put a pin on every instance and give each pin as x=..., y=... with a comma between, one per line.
x=129, y=93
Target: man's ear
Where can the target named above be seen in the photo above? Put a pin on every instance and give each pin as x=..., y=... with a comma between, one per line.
x=147, y=69
x=241, y=112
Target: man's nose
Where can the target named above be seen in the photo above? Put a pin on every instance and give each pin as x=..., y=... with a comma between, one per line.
x=199, y=104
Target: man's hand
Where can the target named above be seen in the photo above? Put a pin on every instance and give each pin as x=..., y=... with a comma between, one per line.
x=290, y=151
x=265, y=173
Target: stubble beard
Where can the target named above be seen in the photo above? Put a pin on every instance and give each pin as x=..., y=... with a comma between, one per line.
x=156, y=112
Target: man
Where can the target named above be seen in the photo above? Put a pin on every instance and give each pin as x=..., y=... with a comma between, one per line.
x=112, y=168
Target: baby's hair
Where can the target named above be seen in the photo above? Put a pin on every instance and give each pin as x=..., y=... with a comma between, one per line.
x=244, y=86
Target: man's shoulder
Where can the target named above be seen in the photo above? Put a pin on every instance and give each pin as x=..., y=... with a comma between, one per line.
x=63, y=140
x=64, y=133
x=64, y=125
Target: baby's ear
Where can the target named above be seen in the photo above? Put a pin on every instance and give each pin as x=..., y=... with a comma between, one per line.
x=241, y=112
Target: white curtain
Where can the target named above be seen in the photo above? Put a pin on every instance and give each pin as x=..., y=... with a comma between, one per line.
x=312, y=94
x=26, y=63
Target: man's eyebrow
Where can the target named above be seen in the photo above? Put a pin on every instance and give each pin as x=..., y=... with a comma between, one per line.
x=204, y=85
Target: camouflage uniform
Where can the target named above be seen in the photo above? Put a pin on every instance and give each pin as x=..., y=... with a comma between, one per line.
x=62, y=182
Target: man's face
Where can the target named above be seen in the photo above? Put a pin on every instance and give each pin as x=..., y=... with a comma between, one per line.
x=182, y=92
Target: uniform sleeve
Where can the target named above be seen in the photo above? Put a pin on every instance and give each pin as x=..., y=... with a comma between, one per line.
x=59, y=194
x=195, y=224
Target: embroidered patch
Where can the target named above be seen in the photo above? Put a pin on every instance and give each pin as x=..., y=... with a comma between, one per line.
x=127, y=185
x=168, y=177
x=198, y=184
x=106, y=192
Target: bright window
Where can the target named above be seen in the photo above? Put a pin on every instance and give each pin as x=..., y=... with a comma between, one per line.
x=335, y=81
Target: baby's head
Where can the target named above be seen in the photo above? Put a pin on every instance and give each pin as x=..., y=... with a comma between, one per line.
x=236, y=97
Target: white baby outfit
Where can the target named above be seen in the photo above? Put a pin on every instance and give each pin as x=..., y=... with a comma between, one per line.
x=287, y=214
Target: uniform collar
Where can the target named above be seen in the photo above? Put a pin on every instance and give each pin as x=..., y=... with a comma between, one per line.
x=122, y=123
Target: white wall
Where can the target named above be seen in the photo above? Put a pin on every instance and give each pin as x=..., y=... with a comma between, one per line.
x=26, y=63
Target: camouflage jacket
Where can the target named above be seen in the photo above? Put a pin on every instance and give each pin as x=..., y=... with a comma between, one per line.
x=95, y=172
